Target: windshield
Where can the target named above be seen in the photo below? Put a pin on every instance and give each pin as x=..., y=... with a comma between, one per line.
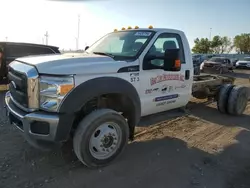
x=122, y=45
x=217, y=59
x=246, y=59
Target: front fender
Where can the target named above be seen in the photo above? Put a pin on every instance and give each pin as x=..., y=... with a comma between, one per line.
x=84, y=92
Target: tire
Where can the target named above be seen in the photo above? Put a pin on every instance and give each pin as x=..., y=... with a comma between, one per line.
x=223, y=96
x=237, y=100
x=86, y=147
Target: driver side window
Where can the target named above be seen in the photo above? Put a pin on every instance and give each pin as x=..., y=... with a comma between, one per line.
x=162, y=43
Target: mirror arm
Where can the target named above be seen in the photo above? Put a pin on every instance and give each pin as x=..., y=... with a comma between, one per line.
x=160, y=57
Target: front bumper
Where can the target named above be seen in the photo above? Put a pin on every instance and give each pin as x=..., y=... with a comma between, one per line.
x=38, y=126
x=243, y=66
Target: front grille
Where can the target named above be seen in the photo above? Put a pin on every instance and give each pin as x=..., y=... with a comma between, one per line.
x=24, y=85
x=18, y=87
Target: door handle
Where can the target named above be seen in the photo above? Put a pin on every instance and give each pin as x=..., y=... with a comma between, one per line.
x=187, y=74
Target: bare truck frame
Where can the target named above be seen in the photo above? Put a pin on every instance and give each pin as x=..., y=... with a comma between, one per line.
x=231, y=99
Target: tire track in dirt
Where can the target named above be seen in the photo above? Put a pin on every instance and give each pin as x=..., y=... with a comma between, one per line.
x=194, y=131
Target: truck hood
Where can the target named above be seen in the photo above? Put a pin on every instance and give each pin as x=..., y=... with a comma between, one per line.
x=73, y=63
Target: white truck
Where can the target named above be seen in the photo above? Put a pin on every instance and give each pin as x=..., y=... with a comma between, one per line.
x=98, y=97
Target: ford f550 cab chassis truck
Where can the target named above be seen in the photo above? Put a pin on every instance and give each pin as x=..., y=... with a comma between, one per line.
x=98, y=97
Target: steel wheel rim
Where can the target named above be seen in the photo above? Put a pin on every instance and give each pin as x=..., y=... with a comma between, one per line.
x=105, y=140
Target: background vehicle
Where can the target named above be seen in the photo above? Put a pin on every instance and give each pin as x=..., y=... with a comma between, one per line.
x=13, y=50
x=234, y=61
x=100, y=96
x=244, y=63
x=197, y=60
x=217, y=65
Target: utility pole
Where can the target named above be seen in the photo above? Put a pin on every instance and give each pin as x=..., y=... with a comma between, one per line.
x=78, y=33
x=210, y=34
x=76, y=43
x=47, y=36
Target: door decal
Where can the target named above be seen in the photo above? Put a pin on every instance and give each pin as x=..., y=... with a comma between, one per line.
x=165, y=102
x=166, y=97
x=166, y=77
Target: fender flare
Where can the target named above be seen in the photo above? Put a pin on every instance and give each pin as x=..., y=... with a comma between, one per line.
x=84, y=92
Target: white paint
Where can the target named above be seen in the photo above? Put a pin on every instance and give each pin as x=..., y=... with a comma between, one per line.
x=86, y=67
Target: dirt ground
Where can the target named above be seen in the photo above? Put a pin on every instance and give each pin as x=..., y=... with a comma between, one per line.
x=199, y=149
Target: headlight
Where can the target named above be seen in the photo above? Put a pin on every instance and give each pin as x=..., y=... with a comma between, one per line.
x=53, y=90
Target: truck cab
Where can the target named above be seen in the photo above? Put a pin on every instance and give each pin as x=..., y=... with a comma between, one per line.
x=99, y=96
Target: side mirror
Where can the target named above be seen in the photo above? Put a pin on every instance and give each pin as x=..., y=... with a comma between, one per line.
x=87, y=47
x=172, y=60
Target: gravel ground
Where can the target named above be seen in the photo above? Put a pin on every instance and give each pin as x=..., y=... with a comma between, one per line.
x=199, y=149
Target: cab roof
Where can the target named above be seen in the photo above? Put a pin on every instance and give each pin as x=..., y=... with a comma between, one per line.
x=155, y=30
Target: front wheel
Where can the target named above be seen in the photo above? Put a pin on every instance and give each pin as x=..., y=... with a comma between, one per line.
x=100, y=137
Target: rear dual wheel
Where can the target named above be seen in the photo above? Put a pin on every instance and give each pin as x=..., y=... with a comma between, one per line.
x=232, y=99
x=237, y=100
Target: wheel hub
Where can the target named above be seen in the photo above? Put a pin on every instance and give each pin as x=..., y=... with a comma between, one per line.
x=107, y=141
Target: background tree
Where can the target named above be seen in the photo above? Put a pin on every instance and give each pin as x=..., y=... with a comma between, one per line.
x=218, y=45
x=201, y=46
x=215, y=44
x=226, y=45
x=242, y=43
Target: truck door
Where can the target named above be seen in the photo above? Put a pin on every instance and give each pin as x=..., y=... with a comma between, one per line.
x=164, y=90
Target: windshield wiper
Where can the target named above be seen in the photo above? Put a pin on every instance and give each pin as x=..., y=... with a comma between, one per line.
x=103, y=53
